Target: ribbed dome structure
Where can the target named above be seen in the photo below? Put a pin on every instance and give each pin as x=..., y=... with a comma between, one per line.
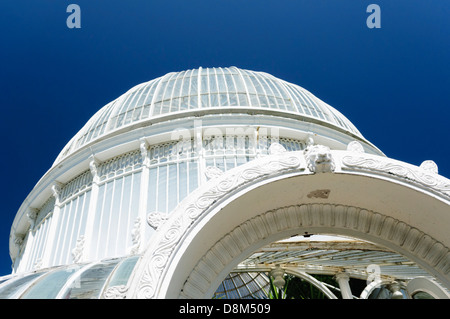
x=206, y=89
x=177, y=188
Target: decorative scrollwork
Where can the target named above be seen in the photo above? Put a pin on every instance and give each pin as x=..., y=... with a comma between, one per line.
x=319, y=159
x=223, y=185
x=355, y=146
x=429, y=166
x=136, y=236
x=116, y=292
x=276, y=148
x=77, y=252
x=156, y=219
x=420, y=175
x=213, y=172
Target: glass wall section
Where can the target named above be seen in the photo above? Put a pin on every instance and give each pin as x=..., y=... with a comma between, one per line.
x=290, y=144
x=49, y=285
x=122, y=272
x=39, y=236
x=15, y=287
x=174, y=173
x=135, y=106
x=90, y=282
x=117, y=205
x=245, y=285
x=97, y=125
x=74, y=210
x=229, y=151
x=204, y=88
x=36, y=238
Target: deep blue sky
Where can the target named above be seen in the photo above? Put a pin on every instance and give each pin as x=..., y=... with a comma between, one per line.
x=392, y=83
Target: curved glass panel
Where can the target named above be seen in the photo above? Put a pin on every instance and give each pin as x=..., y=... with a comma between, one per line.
x=90, y=283
x=122, y=272
x=50, y=285
x=15, y=287
x=243, y=285
x=422, y=295
x=205, y=88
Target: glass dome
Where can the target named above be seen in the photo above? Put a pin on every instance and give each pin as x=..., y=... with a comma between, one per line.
x=77, y=281
x=206, y=88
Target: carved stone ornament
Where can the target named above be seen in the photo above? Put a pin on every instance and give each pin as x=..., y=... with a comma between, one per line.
x=116, y=292
x=355, y=146
x=38, y=264
x=143, y=146
x=157, y=256
x=309, y=140
x=77, y=252
x=156, y=219
x=213, y=172
x=18, y=239
x=429, y=166
x=56, y=190
x=386, y=228
x=424, y=177
x=93, y=167
x=136, y=236
x=319, y=159
x=32, y=215
x=276, y=148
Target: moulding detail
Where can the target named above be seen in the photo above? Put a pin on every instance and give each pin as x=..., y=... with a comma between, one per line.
x=423, y=175
x=32, y=215
x=224, y=251
x=93, y=167
x=355, y=146
x=213, y=172
x=172, y=229
x=171, y=233
x=276, y=148
x=56, y=190
x=156, y=219
x=143, y=147
x=429, y=166
x=77, y=252
x=116, y=292
x=319, y=159
x=136, y=236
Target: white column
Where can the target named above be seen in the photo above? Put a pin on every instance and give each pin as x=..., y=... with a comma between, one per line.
x=198, y=144
x=342, y=278
x=51, y=241
x=93, y=166
x=32, y=215
x=145, y=175
x=18, y=242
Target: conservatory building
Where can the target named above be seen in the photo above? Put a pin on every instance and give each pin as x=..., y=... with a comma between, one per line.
x=218, y=183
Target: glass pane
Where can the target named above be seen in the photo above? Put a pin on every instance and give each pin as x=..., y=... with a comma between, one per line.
x=422, y=295
x=15, y=287
x=49, y=286
x=91, y=281
x=123, y=271
x=162, y=189
x=173, y=189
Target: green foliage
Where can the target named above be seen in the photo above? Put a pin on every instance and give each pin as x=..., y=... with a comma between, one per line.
x=297, y=288
x=275, y=292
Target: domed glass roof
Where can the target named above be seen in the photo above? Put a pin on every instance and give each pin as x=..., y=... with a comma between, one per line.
x=205, y=88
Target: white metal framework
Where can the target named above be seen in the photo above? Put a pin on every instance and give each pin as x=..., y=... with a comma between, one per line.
x=205, y=88
x=140, y=160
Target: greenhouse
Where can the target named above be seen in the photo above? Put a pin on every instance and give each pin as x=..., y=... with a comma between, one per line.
x=229, y=183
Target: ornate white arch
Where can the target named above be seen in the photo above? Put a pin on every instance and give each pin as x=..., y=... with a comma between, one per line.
x=229, y=251
x=186, y=255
